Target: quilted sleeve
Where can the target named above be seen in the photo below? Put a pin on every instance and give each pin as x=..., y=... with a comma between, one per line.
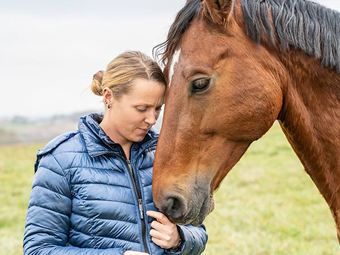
x=194, y=240
x=49, y=211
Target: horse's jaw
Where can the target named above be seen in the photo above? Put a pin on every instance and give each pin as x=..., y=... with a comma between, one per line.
x=186, y=194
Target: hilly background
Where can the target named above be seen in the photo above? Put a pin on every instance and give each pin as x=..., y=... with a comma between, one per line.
x=25, y=130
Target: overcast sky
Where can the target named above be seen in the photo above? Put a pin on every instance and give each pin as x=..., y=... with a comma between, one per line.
x=49, y=49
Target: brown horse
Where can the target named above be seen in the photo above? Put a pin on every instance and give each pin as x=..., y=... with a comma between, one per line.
x=234, y=68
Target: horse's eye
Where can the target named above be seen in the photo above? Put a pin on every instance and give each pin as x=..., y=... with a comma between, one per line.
x=200, y=85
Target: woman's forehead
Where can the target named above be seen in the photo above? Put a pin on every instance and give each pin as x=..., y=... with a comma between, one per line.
x=146, y=92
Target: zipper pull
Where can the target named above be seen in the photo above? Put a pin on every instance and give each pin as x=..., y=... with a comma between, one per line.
x=129, y=165
x=140, y=206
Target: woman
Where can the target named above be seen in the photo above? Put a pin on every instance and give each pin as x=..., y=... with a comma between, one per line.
x=92, y=188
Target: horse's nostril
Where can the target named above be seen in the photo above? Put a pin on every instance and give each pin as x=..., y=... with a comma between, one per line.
x=174, y=207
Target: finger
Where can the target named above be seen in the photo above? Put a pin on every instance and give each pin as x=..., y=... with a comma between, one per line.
x=160, y=243
x=159, y=235
x=164, y=229
x=158, y=226
x=135, y=253
x=159, y=217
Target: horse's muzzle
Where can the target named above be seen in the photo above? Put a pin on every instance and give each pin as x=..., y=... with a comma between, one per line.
x=183, y=211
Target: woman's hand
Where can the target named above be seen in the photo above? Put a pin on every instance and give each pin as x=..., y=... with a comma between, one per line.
x=164, y=233
x=135, y=253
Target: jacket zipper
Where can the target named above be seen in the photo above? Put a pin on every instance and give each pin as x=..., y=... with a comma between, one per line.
x=137, y=181
x=136, y=191
x=140, y=204
x=141, y=210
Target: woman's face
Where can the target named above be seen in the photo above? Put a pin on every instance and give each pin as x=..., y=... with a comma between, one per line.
x=133, y=114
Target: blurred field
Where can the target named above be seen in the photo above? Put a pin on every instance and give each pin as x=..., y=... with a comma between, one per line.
x=267, y=205
x=16, y=175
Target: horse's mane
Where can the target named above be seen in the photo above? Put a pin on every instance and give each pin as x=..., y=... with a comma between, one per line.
x=300, y=24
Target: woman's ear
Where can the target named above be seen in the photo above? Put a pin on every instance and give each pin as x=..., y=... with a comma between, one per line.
x=219, y=10
x=107, y=97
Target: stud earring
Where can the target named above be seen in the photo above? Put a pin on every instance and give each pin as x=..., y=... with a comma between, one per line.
x=107, y=105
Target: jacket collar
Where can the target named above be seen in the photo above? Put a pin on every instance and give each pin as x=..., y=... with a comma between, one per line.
x=98, y=143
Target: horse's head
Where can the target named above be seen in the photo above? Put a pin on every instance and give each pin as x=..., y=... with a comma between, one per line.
x=223, y=95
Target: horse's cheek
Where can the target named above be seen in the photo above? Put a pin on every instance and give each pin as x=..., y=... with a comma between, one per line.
x=248, y=119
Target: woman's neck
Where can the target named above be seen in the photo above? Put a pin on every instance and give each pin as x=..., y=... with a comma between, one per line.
x=111, y=132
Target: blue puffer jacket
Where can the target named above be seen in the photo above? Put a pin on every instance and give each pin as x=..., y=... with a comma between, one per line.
x=85, y=200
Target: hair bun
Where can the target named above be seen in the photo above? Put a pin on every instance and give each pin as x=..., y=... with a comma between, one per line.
x=96, y=85
x=99, y=76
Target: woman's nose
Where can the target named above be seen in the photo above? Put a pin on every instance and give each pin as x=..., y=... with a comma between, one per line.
x=151, y=118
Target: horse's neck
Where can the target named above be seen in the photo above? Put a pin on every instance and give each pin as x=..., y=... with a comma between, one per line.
x=310, y=115
x=310, y=119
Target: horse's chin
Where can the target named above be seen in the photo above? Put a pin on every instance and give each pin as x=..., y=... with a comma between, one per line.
x=197, y=214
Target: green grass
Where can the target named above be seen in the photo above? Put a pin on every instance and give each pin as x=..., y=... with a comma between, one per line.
x=16, y=176
x=267, y=205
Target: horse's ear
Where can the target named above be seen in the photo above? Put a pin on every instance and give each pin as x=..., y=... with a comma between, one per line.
x=218, y=10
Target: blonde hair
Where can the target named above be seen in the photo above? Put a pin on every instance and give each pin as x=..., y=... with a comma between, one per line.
x=123, y=70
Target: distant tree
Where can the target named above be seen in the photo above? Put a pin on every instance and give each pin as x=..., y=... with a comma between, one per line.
x=20, y=120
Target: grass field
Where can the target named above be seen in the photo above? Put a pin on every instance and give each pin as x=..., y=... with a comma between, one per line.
x=267, y=205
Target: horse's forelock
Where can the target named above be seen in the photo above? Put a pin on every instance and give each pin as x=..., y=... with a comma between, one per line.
x=177, y=29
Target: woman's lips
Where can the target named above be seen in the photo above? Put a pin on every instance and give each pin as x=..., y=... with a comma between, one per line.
x=145, y=130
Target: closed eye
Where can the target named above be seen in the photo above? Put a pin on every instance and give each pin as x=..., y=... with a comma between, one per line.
x=141, y=109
